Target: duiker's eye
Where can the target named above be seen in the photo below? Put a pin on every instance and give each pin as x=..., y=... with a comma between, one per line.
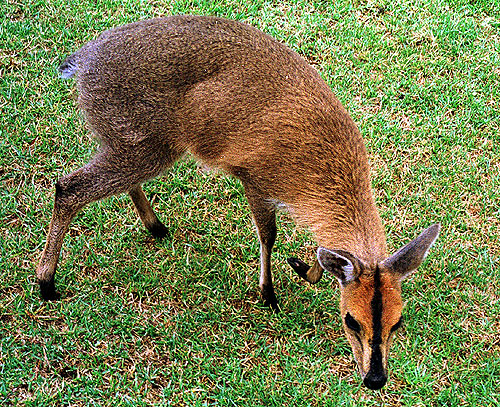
x=397, y=325
x=352, y=323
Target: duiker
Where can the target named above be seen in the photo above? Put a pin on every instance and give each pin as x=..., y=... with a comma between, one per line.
x=240, y=101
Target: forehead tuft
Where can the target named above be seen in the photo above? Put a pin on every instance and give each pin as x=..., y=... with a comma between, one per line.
x=377, y=292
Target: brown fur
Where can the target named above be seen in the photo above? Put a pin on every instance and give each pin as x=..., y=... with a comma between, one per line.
x=237, y=100
x=354, y=300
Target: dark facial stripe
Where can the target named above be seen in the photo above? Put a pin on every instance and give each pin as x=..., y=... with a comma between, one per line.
x=376, y=377
x=376, y=367
x=376, y=306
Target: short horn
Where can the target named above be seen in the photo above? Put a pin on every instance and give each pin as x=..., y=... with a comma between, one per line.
x=310, y=274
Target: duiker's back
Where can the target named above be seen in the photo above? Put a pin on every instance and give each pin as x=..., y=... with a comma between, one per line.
x=176, y=70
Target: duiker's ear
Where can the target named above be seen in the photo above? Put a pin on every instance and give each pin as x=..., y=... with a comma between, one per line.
x=342, y=264
x=406, y=260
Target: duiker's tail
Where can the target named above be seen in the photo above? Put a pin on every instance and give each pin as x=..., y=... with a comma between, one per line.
x=69, y=66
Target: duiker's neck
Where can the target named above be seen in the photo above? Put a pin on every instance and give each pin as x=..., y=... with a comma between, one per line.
x=360, y=232
x=346, y=219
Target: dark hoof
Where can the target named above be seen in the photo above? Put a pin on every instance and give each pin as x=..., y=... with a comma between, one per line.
x=299, y=266
x=48, y=291
x=158, y=230
x=270, y=299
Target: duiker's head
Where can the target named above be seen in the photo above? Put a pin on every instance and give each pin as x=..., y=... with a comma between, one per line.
x=370, y=302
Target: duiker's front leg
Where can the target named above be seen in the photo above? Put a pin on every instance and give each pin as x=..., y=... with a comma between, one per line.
x=146, y=213
x=264, y=215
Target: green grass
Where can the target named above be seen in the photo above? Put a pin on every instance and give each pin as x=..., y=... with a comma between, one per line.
x=179, y=322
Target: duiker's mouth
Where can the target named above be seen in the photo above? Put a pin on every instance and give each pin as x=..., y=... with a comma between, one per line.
x=374, y=381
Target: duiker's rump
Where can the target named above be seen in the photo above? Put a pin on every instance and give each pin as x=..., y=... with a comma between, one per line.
x=241, y=101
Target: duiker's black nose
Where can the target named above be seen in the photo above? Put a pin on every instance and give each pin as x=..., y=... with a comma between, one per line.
x=374, y=381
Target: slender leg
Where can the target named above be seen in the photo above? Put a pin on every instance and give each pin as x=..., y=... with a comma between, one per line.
x=146, y=213
x=264, y=216
x=61, y=218
x=105, y=175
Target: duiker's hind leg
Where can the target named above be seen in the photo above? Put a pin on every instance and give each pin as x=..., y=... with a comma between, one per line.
x=105, y=175
x=146, y=213
x=264, y=215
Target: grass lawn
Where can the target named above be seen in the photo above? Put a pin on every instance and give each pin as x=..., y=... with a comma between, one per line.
x=179, y=321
